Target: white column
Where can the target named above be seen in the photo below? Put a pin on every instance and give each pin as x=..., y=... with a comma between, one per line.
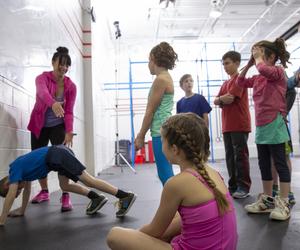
x=88, y=89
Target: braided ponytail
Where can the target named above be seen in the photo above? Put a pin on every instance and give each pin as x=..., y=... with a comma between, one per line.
x=221, y=200
x=189, y=133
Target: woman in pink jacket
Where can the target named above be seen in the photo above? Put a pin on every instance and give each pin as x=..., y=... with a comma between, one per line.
x=52, y=116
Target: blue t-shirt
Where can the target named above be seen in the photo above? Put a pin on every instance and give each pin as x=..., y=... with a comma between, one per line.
x=291, y=82
x=29, y=167
x=196, y=104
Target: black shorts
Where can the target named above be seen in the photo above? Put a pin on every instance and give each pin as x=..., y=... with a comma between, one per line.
x=61, y=159
x=56, y=135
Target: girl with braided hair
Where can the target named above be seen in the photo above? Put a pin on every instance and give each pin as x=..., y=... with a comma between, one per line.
x=196, y=210
x=269, y=96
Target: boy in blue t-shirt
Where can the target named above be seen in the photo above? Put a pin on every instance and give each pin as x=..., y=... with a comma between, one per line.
x=192, y=102
x=38, y=163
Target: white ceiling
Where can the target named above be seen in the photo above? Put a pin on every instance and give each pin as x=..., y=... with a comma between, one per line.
x=188, y=21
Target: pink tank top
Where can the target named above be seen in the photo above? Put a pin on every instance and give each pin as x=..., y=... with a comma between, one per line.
x=202, y=227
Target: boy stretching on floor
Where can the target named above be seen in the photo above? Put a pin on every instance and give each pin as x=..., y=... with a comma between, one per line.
x=38, y=163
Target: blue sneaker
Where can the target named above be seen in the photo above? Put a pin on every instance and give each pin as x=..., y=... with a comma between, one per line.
x=292, y=199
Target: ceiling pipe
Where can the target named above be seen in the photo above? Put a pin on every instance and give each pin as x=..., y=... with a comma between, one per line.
x=291, y=31
x=261, y=17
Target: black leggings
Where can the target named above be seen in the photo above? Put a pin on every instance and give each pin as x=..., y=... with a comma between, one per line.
x=277, y=152
x=56, y=135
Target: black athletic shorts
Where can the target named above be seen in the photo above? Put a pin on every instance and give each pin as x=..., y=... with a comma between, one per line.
x=61, y=159
x=56, y=135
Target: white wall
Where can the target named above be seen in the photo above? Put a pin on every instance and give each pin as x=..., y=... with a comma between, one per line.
x=31, y=30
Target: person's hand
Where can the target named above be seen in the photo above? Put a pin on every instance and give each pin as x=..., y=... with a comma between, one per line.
x=227, y=98
x=68, y=140
x=2, y=221
x=257, y=52
x=139, y=142
x=58, y=109
x=16, y=213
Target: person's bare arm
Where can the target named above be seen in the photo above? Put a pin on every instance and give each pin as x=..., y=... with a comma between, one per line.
x=224, y=100
x=205, y=117
x=25, y=199
x=158, y=90
x=247, y=67
x=227, y=99
x=8, y=202
x=169, y=204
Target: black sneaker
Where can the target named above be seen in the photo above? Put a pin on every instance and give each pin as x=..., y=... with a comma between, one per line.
x=125, y=204
x=96, y=204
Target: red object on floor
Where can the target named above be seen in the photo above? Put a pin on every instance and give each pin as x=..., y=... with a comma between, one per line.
x=140, y=156
x=151, y=154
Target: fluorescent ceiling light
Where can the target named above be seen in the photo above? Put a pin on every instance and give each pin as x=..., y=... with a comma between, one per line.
x=215, y=13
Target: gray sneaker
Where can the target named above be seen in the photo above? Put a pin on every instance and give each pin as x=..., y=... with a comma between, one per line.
x=125, y=204
x=240, y=194
x=96, y=204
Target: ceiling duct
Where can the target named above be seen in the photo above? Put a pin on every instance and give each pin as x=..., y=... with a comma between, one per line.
x=291, y=31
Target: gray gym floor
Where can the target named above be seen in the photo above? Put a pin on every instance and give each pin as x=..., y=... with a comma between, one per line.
x=45, y=227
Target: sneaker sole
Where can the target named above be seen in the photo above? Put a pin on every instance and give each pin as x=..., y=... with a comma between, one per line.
x=279, y=218
x=127, y=210
x=259, y=212
x=240, y=197
x=38, y=202
x=98, y=207
x=66, y=209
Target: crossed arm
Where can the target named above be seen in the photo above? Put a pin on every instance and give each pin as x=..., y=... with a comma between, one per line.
x=224, y=99
x=9, y=200
x=165, y=221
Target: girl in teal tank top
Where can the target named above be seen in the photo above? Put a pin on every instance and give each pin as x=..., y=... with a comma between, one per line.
x=160, y=104
x=163, y=111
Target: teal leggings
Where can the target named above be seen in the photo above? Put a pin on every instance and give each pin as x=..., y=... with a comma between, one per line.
x=164, y=168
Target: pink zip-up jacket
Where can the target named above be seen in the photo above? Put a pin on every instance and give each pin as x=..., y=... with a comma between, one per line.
x=45, y=97
x=269, y=90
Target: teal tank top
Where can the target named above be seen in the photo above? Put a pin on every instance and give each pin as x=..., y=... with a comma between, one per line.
x=162, y=113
